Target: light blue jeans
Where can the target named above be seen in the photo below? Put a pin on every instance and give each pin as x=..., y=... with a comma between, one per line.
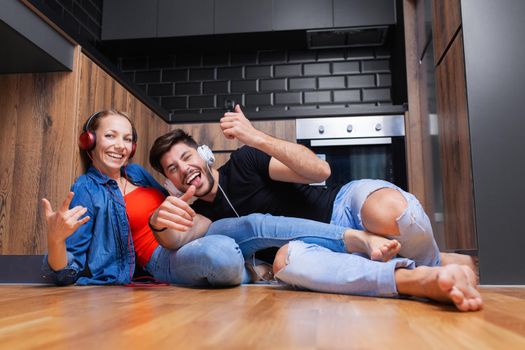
x=317, y=268
x=208, y=261
x=217, y=260
x=416, y=236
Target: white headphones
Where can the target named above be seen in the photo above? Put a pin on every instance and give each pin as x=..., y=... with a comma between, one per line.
x=206, y=154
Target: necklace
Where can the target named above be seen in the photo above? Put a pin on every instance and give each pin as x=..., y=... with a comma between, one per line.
x=125, y=185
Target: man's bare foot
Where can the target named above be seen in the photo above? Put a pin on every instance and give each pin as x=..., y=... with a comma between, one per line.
x=378, y=248
x=461, y=259
x=454, y=284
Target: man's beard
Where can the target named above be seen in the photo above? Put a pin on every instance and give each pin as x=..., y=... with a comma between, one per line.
x=211, y=181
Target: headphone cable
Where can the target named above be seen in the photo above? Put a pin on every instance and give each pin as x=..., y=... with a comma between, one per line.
x=223, y=193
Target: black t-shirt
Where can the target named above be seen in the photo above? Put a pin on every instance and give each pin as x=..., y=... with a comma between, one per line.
x=248, y=185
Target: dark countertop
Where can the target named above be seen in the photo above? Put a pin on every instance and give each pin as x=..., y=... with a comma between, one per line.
x=298, y=113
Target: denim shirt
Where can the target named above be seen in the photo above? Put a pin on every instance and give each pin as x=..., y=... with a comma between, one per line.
x=101, y=251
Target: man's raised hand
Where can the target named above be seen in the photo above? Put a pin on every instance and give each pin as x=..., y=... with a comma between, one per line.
x=174, y=213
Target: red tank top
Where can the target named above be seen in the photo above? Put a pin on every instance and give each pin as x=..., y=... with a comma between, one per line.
x=140, y=203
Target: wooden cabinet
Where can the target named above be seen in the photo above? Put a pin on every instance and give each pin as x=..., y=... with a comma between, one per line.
x=454, y=133
x=454, y=143
x=42, y=115
x=129, y=19
x=210, y=134
x=182, y=17
x=302, y=14
x=446, y=21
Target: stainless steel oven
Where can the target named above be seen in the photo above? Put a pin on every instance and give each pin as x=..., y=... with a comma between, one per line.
x=358, y=147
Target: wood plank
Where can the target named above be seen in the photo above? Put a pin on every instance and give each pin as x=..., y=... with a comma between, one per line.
x=446, y=20
x=37, y=128
x=455, y=149
x=414, y=119
x=9, y=85
x=250, y=317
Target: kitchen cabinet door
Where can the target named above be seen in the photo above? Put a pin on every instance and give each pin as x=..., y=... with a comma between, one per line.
x=129, y=19
x=446, y=22
x=454, y=136
x=355, y=13
x=182, y=17
x=302, y=14
x=242, y=16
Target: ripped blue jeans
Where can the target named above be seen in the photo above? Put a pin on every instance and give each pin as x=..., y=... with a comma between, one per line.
x=314, y=267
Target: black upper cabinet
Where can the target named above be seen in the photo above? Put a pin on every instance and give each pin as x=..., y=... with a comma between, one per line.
x=133, y=19
x=129, y=19
x=243, y=16
x=355, y=13
x=183, y=17
x=302, y=14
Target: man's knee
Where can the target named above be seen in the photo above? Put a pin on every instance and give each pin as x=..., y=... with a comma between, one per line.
x=280, y=259
x=225, y=261
x=381, y=210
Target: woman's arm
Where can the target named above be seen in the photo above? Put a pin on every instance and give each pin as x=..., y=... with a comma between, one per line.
x=60, y=225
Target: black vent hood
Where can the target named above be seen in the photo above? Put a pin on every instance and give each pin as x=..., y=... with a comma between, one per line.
x=346, y=37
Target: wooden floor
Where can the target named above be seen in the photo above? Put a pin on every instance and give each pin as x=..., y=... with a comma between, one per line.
x=249, y=317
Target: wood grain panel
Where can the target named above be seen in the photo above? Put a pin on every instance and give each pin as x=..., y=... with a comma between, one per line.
x=211, y=134
x=10, y=87
x=455, y=149
x=39, y=118
x=414, y=118
x=446, y=20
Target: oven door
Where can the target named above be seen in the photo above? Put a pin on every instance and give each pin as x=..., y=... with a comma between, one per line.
x=368, y=158
x=358, y=147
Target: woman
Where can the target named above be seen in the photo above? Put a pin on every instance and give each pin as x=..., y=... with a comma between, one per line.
x=118, y=200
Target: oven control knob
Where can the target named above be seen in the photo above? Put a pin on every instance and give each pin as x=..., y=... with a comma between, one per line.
x=321, y=129
x=349, y=128
x=379, y=127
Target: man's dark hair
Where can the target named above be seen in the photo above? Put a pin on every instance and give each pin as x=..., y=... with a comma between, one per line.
x=163, y=144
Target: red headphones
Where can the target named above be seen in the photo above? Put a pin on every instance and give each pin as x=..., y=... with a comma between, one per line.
x=88, y=139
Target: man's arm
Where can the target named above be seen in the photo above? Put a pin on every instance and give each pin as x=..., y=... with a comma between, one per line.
x=174, y=239
x=290, y=161
x=175, y=223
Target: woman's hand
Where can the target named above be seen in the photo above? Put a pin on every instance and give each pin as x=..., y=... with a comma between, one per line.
x=62, y=223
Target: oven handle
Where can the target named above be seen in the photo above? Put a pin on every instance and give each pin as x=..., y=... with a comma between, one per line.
x=352, y=142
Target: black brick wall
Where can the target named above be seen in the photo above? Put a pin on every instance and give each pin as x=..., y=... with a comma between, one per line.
x=264, y=80
x=81, y=18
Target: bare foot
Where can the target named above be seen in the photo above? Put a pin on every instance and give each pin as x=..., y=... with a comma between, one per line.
x=454, y=284
x=378, y=248
x=461, y=259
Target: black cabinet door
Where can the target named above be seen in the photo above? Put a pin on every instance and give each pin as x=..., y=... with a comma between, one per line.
x=356, y=13
x=242, y=16
x=302, y=14
x=183, y=17
x=129, y=19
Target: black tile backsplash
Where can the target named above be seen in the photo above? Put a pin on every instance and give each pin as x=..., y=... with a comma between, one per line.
x=264, y=80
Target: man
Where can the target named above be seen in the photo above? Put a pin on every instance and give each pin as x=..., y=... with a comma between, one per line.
x=269, y=175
